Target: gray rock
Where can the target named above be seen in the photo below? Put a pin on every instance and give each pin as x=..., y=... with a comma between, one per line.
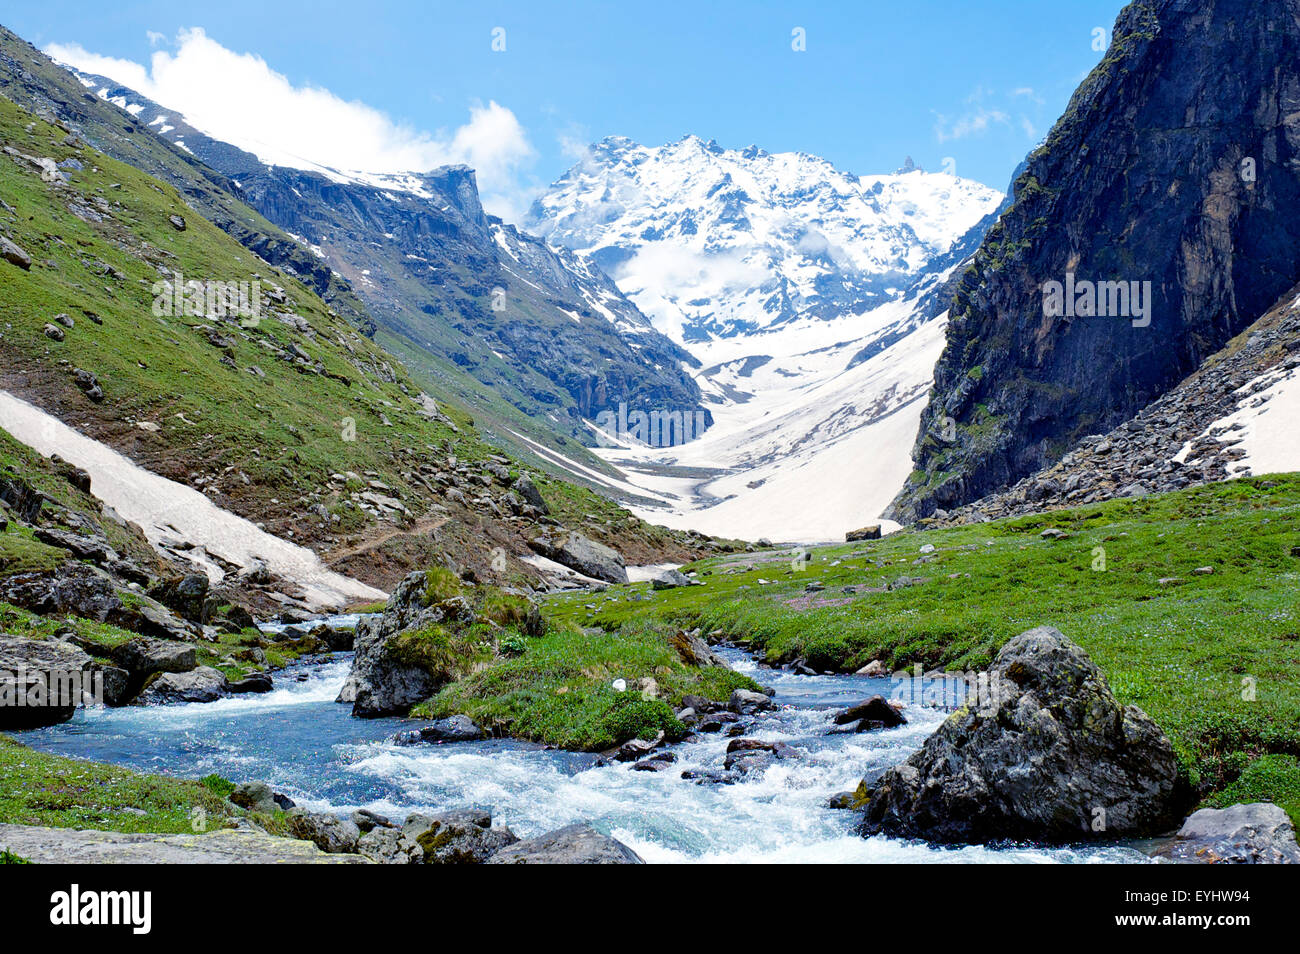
x=865, y=533
x=203, y=684
x=367, y=821
x=744, y=702
x=332, y=835
x=14, y=254
x=1047, y=754
x=255, y=682
x=382, y=681
x=874, y=713
x=258, y=797
x=457, y=728
x=142, y=656
x=669, y=579
x=42, y=681
x=53, y=332
x=459, y=837
x=572, y=845
x=384, y=846
x=528, y=492
x=89, y=384
x=1259, y=833
x=70, y=846
x=570, y=548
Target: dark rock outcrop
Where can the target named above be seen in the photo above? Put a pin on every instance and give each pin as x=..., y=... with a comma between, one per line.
x=1175, y=164
x=457, y=838
x=1046, y=754
x=42, y=681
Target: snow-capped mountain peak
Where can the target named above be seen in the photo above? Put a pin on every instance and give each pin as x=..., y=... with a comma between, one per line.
x=714, y=242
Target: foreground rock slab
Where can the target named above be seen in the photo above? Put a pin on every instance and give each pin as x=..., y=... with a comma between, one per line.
x=573, y=845
x=1259, y=833
x=1047, y=754
x=224, y=847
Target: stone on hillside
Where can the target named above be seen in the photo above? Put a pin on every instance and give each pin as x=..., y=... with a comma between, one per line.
x=528, y=492
x=177, y=222
x=203, y=684
x=42, y=681
x=572, y=845
x=89, y=384
x=1046, y=754
x=669, y=579
x=14, y=254
x=186, y=595
x=53, y=332
x=459, y=837
x=83, y=546
x=865, y=533
x=1258, y=833
x=570, y=548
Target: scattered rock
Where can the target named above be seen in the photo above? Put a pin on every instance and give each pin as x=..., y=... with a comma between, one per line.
x=258, y=797
x=177, y=222
x=14, y=254
x=457, y=728
x=460, y=837
x=203, y=684
x=744, y=702
x=53, y=332
x=572, y=845
x=1259, y=833
x=874, y=713
x=865, y=533
x=669, y=579
x=89, y=384
x=330, y=834
x=528, y=492
x=253, y=682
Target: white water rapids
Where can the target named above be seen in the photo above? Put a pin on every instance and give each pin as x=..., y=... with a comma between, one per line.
x=298, y=740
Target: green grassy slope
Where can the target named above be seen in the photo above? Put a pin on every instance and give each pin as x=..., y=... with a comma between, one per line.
x=1213, y=657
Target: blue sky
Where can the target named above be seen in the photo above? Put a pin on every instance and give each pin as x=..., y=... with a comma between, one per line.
x=976, y=83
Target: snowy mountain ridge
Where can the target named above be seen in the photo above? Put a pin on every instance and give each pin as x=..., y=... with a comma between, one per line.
x=814, y=300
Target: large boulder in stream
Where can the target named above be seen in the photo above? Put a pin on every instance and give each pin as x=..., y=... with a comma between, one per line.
x=1046, y=754
x=42, y=681
x=570, y=548
x=434, y=630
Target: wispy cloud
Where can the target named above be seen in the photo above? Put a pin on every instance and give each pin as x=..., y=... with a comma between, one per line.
x=986, y=109
x=240, y=99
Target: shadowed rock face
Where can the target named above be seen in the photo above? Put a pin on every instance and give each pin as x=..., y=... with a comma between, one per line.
x=1047, y=754
x=1176, y=164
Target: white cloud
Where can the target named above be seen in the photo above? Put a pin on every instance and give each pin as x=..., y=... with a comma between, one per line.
x=970, y=123
x=240, y=99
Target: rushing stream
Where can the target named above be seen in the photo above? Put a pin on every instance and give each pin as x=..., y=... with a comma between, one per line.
x=298, y=740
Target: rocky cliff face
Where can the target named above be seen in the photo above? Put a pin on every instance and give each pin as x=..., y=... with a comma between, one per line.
x=488, y=311
x=1175, y=165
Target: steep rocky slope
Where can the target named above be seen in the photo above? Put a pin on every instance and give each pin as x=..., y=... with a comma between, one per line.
x=32, y=80
x=289, y=416
x=535, y=338
x=1237, y=415
x=1175, y=164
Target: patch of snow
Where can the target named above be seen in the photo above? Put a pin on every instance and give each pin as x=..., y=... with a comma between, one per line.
x=168, y=511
